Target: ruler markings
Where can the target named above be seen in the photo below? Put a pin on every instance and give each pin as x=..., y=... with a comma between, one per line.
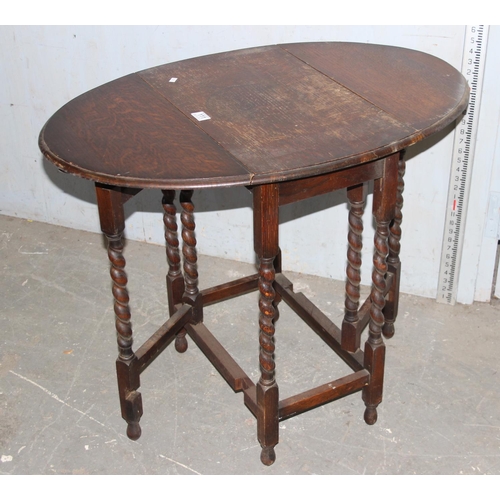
x=463, y=155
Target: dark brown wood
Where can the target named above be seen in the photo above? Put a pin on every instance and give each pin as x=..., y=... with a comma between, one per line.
x=112, y=217
x=175, y=278
x=266, y=228
x=250, y=399
x=276, y=113
x=219, y=357
x=393, y=261
x=157, y=343
x=323, y=394
x=191, y=294
x=384, y=201
x=230, y=290
x=277, y=264
x=364, y=310
x=104, y=136
x=414, y=87
x=302, y=189
x=278, y=105
x=130, y=398
x=350, y=334
x=289, y=122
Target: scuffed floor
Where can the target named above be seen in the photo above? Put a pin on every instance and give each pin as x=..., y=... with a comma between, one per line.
x=59, y=409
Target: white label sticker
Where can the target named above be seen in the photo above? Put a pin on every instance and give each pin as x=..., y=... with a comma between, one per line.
x=201, y=115
x=173, y=80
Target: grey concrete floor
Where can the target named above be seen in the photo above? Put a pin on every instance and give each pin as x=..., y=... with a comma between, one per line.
x=59, y=410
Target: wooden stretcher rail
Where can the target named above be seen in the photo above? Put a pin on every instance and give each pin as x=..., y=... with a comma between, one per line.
x=231, y=289
x=323, y=394
x=155, y=345
x=219, y=357
x=250, y=399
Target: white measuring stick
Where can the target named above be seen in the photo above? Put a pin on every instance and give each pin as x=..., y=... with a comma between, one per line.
x=474, y=56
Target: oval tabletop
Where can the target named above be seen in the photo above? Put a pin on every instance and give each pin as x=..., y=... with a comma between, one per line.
x=255, y=116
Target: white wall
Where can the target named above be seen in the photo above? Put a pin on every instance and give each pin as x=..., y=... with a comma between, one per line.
x=42, y=67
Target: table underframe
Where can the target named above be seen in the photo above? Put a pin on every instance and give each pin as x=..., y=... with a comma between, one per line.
x=186, y=301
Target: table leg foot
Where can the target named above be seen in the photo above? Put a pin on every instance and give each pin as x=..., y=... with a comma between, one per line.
x=130, y=397
x=388, y=329
x=134, y=431
x=370, y=415
x=181, y=343
x=268, y=455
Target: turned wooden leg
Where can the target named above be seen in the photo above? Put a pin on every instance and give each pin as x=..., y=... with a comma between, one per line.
x=384, y=199
x=110, y=203
x=393, y=261
x=350, y=339
x=175, y=278
x=191, y=294
x=277, y=296
x=266, y=246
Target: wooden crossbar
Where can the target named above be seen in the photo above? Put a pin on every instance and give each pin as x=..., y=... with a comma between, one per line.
x=323, y=394
x=231, y=289
x=150, y=350
x=219, y=357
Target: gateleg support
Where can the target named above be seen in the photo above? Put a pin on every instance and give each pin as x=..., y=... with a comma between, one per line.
x=266, y=226
x=191, y=293
x=384, y=202
x=393, y=261
x=175, y=278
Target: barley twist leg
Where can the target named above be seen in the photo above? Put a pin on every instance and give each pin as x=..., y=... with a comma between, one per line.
x=375, y=348
x=191, y=292
x=128, y=377
x=175, y=279
x=267, y=389
x=394, y=262
x=350, y=334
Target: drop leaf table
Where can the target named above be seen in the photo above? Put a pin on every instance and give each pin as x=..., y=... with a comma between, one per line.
x=288, y=122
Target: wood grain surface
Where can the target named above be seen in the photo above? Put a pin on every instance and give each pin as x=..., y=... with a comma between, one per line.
x=275, y=113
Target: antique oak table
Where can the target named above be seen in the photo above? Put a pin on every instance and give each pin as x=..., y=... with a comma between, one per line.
x=289, y=122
